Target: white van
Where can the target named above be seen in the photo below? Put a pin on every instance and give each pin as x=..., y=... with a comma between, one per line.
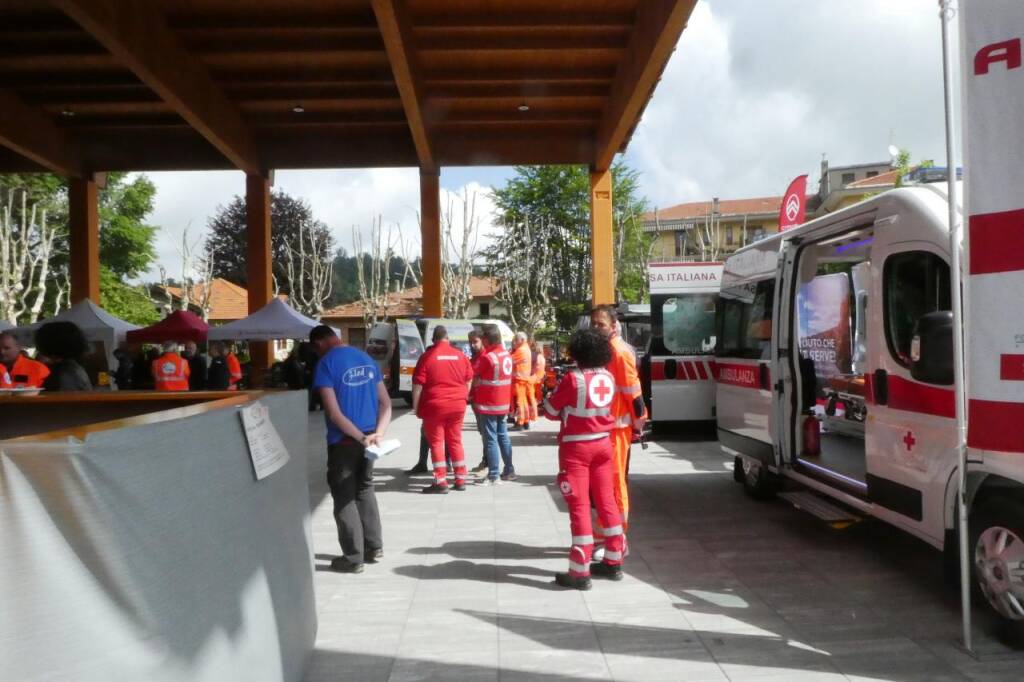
x=835, y=370
x=396, y=346
x=680, y=362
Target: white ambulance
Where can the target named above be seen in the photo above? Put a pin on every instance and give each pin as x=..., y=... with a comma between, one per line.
x=835, y=371
x=680, y=362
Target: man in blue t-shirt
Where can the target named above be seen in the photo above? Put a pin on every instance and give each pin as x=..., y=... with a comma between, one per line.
x=357, y=410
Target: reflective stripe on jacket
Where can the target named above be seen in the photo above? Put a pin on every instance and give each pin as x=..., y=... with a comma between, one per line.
x=583, y=402
x=25, y=373
x=493, y=390
x=170, y=373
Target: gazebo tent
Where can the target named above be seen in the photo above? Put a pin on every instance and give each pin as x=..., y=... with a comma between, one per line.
x=5, y=325
x=181, y=325
x=276, y=320
x=95, y=322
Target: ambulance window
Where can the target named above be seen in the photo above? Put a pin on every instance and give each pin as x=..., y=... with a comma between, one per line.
x=915, y=283
x=688, y=324
x=745, y=320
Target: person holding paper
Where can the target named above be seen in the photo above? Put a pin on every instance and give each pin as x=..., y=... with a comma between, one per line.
x=358, y=411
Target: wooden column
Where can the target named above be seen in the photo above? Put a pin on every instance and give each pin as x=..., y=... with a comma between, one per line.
x=258, y=264
x=84, y=243
x=430, y=237
x=601, y=241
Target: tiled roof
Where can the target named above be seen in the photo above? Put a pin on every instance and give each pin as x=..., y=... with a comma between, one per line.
x=726, y=207
x=887, y=179
x=407, y=303
x=228, y=301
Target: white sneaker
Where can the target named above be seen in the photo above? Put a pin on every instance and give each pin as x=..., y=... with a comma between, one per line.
x=489, y=482
x=598, y=555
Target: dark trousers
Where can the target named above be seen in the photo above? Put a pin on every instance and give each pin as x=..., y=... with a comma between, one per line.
x=350, y=477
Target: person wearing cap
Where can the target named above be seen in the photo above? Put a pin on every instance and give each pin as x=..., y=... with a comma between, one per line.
x=440, y=389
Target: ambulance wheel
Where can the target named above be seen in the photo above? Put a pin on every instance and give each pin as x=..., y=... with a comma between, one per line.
x=756, y=479
x=997, y=555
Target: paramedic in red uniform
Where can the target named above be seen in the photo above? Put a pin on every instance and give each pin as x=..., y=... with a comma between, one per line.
x=583, y=402
x=492, y=390
x=628, y=408
x=440, y=388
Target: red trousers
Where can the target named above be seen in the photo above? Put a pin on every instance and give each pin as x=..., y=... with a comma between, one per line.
x=445, y=430
x=586, y=472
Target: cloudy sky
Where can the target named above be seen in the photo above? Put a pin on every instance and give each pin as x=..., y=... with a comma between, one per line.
x=754, y=94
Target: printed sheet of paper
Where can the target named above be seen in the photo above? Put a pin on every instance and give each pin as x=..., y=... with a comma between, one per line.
x=385, y=447
x=265, y=446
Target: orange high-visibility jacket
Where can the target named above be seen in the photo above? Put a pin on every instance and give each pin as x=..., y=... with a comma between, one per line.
x=170, y=373
x=523, y=359
x=25, y=373
x=234, y=371
x=627, y=384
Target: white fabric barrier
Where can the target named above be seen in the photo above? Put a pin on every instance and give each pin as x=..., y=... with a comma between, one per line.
x=153, y=553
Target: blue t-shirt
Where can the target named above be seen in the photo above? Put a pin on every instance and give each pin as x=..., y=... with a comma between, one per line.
x=354, y=377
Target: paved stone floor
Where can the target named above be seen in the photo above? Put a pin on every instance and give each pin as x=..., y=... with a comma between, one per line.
x=719, y=587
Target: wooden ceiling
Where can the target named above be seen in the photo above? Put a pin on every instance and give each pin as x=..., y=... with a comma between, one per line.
x=100, y=85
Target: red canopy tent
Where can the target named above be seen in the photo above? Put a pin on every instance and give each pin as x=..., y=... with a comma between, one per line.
x=181, y=325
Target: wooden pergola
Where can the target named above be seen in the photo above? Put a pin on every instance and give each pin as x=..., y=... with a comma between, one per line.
x=90, y=86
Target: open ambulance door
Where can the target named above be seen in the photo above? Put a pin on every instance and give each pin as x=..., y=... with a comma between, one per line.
x=785, y=396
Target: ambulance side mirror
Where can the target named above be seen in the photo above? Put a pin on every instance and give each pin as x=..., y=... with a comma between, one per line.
x=931, y=349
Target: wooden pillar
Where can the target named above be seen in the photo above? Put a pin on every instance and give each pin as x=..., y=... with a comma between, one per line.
x=601, y=241
x=258, y=264
x=84, y=242
x=430, y=237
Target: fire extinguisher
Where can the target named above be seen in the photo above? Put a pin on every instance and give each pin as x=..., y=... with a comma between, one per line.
x=812, y=436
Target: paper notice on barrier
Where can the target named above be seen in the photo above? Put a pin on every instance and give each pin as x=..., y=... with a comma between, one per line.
x=265, y=445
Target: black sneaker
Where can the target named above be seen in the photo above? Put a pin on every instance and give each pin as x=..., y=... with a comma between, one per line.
x=459, y=486
x=581, y=583
x=372, y=556
x=609, y=571
x=526, y=426
x=435, y=489
x=511, y=476
x=343, y=565
x=517, y=427
x=418, y=469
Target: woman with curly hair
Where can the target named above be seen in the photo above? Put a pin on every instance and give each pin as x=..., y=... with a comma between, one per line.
x=583, y=402
x=61, y=345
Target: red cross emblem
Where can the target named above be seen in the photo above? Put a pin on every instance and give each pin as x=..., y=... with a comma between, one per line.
x=601, y=390
x=909, y=441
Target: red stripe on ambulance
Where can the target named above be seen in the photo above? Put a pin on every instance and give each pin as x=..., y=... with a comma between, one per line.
x=997, y=242
x=911, y=396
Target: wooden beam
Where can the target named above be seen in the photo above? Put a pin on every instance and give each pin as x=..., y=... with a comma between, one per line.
x=259, y=281
x=601, y=239
x=659, y=23
x=30, y=132
x=396, y=30
x=84, y=239
x=430, y=240
x=138, y=37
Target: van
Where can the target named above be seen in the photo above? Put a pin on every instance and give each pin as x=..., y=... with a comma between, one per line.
x=458, y=332
x=507, y=335
x=834, y=360
x=396, y=347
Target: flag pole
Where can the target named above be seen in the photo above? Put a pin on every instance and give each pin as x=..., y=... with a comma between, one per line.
x=947, y=10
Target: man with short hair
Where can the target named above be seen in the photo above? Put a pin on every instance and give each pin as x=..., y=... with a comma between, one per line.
x=170, y=370
x=492, y=390
x=17, y=370
x=357, y=410
x=197, y=366
x=234, y=369
x=525, y=404
x=440, y=388
x=218, y=376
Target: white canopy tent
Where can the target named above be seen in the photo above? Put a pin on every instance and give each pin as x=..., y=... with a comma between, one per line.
x=95, y=322
x=276, y=320
x=5, y=325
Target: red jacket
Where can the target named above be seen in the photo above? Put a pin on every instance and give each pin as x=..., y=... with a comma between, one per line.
x=444, y=373
x=583, y=402
x=493, y=391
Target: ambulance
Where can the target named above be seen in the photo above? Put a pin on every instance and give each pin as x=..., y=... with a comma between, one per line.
x=834, y=351
x=680, y=362
x=396, y=346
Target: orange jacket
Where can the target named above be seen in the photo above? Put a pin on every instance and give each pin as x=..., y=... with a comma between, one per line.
x=627, y=384
x=539, y=369
x=26, y=373
x=523, y=359
x=170, y=373
x=234, y=371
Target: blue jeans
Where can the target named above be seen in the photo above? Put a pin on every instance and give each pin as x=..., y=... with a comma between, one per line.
x=494, y=430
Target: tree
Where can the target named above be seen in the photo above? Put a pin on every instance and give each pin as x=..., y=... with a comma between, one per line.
x=130, y=303
x=459, y=257
x=558, y=199
x=126, y=241
x=27, y=237
x=309, y=268
x=904, y=166
x=377, y=282
x=525, y=273
x=289, y=218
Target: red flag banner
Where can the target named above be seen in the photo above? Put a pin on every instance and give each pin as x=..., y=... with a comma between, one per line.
x=993, y=97
x=794, y=204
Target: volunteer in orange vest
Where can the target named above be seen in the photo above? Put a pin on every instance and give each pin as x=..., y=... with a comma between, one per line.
x=628, y=408
x=525, y=405
x=583, y=402
x=540, y=365
x=17, y=370
x=492, y=390
x=170, y=370
x=440, y=389
x=234, y=370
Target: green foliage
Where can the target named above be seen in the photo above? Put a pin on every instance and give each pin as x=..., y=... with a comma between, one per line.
x=130, y=303
x=904, y=165
x=346, y=275
x=126, y=241
x=227, y=240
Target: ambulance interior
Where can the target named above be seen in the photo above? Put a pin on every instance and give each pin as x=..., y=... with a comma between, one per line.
x=830, y=326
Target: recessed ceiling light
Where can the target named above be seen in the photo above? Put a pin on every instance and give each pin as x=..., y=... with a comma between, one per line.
x=66, y=112
x=523, y=107
x=298, y=109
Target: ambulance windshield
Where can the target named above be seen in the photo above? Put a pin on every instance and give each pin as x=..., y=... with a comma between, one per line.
x=688, y=324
